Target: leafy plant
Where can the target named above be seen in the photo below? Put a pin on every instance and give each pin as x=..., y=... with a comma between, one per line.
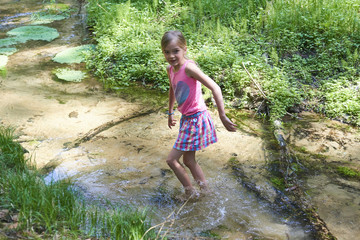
x=11, y=153
x=342, y=99
x=5, y=42
x=3, y=61
x=348, y=172
x=51, y=12
x=69, y=75
x=57, y=208
x=293, y=48
x=7, y=51
x=26, y=33
x=43, y=18
x=72, y=55
x=278, y=182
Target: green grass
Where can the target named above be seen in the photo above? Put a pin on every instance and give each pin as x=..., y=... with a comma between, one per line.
x=348, y=172
x=57, y=208
x=293, y=48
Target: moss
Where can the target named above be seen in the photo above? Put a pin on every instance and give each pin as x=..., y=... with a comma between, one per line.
x=296, y=168
x=3, y=72
x=303, y=150
x=342, y=127
x=348, y=172
x=278, y=182
x=60, y=101
x=233, y=162
x=210, y=235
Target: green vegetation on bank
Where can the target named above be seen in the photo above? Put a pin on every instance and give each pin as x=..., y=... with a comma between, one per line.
x=302, y=52
x=45, y=209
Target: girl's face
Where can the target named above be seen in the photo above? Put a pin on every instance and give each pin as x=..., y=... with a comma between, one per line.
x=174, y=54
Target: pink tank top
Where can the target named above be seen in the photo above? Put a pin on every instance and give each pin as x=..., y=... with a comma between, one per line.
x=187, y=91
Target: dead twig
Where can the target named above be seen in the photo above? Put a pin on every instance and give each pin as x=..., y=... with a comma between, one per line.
x=256, y=83
x=93, y=132
x=168, y=220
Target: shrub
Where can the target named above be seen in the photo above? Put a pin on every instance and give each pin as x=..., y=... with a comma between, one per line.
x=293, y=44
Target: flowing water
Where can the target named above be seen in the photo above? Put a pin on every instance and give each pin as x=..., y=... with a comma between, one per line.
x=125, y=164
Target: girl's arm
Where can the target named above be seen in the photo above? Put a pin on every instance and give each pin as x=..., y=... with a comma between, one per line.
x=171, y=120
x=194, y=71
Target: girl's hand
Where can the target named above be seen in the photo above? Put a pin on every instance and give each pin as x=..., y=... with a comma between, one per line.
x=171, y=121
x=228, y=124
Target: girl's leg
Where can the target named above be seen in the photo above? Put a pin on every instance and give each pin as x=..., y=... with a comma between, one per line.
x=196, y=171
x=180, y=172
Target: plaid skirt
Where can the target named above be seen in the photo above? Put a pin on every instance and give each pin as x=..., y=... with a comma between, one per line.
x=196, y=132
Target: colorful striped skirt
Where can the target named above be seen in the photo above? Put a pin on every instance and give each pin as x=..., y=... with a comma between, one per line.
x=196, y=132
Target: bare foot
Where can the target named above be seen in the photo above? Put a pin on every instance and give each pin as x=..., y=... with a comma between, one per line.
x=204, y=188
x=205, y=191
x=187, y=196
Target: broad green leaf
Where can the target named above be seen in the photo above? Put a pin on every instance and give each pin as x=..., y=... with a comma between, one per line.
x=69, y=75
x=46, y=18
x=26, y=33
x=7, y=51
x=72, y=55
x=3, y=61
x=8, y=41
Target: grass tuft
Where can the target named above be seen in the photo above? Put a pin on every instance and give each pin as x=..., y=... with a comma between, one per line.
x=57, y=208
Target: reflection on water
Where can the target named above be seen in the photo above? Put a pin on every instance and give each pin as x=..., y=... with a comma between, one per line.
x=14, y=20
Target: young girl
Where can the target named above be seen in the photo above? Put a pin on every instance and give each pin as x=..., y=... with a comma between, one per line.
x=196, y=127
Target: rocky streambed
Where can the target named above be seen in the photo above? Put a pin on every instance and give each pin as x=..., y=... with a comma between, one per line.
x=114, y=148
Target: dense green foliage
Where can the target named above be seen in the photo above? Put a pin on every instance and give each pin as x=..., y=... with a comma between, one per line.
x=55, y=208
x=300, y=51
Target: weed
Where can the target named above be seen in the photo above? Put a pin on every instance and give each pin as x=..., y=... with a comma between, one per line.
x=348, y=172
x=278, y=182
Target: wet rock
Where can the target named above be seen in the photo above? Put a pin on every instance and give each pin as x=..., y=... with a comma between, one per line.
x=165, y=172
x=30, y=120
x=73, y=114
x=295, y=109
x=144, y=181
x=255, y=179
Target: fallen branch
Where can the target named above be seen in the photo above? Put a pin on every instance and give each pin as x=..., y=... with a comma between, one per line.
x=256, y=83
x=294, y=189
x=93, y=132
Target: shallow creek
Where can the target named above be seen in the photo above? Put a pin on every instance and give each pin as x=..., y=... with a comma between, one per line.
x=125, y=164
